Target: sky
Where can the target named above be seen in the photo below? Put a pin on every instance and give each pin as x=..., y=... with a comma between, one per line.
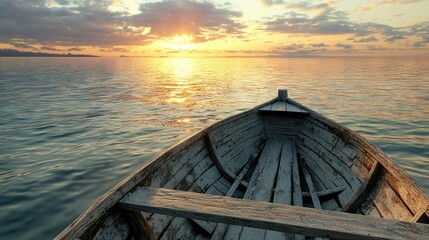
x=238, y=28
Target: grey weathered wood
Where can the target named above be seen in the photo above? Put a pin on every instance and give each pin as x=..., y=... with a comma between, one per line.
x=283, y=190
x=328, y=176
x=271, y=216
x=220, y=229
x=297, y=191
x=278, y=106
x=389, y=204
x=408, y=189
x=140, y=228
x=326, y=194
x=282, y=95
x=262, y=183
x=226, y=173
x=114, y=228
x=261, y=177
x=312, y=190
x=364, y=190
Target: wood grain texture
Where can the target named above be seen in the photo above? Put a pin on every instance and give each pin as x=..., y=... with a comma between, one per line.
x=226, y=173
x=140, y=228
x=271, y=216
x=220, y=229
x=367, y=153
x=311, y=188
x=261, y=185
x=360, y=196
x=283, y=190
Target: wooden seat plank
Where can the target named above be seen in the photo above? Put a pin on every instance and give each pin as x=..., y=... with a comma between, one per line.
x=270, y=216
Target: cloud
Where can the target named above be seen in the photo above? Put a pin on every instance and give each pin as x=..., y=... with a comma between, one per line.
x=22, y=45
x=93, y=23
x=293, y=46
x=345, y=46
x=367, y=39
x=272, y=2
x=399, y=1
x=327, y=21
x=85, y=24
x=75, y=49
x=203, y=20
x=50, y=48
x=115, y=49
x=419, y=44
x=375, y=48
x=319, y=45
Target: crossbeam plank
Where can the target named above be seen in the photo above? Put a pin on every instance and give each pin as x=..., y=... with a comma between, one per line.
x=270, y=216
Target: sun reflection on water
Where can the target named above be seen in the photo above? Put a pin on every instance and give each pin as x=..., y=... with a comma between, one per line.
x=181, y=82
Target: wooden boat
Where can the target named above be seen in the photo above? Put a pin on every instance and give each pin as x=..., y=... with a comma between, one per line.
x=277, y=171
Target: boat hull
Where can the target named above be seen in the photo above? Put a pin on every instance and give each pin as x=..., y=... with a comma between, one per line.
x=326, y=166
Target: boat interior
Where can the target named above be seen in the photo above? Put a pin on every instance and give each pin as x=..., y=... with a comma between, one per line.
x=280, y=154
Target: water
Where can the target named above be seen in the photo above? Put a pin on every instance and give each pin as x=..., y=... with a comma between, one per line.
x=71, y=128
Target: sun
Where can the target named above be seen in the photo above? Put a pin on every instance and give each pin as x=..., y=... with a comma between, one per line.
x=179, y=42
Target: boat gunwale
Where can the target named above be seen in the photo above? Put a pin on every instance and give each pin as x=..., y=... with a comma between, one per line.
x=101, y=206
x=376, y=153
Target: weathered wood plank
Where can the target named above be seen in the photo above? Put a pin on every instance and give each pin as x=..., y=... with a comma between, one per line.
x=311, y=188
x=199, y=179
x=326, y=194
x=221, y=227
x=116, y=229
x=224, y=171
x=283, y=190
x=327, y=175
x=278, y=126
x=347, y=174
x=414, y=203
x=356, y=201
x=422, y=216
x=297, y=191
x=140, y=228
x=367, y=151
x=389, y=204
x=262, y=183
x=271, y=216
x=278, y=106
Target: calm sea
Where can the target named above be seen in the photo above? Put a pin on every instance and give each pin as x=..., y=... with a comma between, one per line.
x=71, y=128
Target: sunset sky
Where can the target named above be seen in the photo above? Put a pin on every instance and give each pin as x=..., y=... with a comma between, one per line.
x=188, y=28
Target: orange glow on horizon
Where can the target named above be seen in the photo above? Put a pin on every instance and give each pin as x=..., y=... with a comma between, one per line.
x=178, y=42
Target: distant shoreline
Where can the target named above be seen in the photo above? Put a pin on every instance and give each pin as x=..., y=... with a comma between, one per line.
x=16, y=53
